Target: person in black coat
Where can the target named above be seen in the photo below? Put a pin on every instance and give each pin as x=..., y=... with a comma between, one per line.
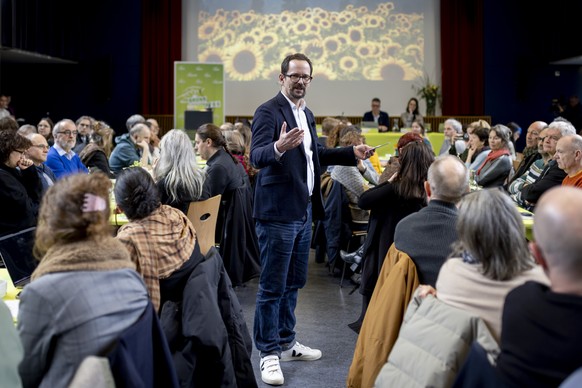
x=20, y=186
x=377, y=116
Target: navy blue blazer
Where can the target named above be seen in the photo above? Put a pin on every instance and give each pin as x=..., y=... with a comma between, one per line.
x=281, y=185
x=384, y=119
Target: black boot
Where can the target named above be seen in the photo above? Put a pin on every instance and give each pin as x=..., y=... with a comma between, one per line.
x=354, y=257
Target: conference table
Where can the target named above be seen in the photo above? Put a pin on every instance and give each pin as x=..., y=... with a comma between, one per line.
x=375, y=138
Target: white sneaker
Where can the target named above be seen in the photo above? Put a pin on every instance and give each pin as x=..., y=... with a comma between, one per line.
x=271, y=370
x=301, y=353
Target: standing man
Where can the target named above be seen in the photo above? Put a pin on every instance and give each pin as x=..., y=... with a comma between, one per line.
x=61, y=158
x=286, y=196
x=376, y=115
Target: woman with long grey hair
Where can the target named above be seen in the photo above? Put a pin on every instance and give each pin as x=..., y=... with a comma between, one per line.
x=178, y=177
x=489, y=259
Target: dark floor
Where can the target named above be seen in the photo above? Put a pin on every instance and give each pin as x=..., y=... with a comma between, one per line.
x=323, y=312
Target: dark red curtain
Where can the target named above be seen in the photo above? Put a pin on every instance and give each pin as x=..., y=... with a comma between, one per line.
x=161, y=46
x=462, y=57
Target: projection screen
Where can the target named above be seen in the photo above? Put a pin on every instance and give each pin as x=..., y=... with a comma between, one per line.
x=359, y=49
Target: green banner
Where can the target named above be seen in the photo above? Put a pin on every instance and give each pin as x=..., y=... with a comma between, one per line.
x=198, y=87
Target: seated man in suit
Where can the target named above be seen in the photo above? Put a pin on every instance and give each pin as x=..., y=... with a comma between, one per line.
x=376, y=115
x=426, y=236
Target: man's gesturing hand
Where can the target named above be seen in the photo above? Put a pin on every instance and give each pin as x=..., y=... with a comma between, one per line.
x=289, y=140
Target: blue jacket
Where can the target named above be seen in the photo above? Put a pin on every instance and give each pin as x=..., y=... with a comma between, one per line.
x=281, y=192
x=62, y=166
x=124, y=154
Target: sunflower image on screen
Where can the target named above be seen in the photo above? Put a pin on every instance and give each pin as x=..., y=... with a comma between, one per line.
x=352, y=43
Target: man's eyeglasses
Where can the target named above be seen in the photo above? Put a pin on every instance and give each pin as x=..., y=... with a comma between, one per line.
x=68, y=133
x=85, y=125
x=296, y=77
x=41, y=146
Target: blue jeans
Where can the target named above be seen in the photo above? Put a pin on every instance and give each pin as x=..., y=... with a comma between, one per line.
x=284, y=256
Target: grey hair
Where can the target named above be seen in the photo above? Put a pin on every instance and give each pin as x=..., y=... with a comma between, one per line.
x=59, y=125
x=503, y=132
x=457, y=126
x=448, y=178
x=134, y=119
x=91, y=120
x=26, y=130
x=138, y=128
x=491, y=230
x=565, y=127
x=177, y=165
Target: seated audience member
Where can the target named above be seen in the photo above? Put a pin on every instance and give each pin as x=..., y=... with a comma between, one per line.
x=20, y=186
x=159, y=238
x=355, y=179
x=26, y=130
x=478, y=148
x=411, y=114
x=154, y=138
x=133, y=120
x=489, y=259
x=10, y=349
x=569, y=158
x=84, y=128
x=131, y=148
x=531, y=145
x=235, y=228
x=469, y=130
x=453, y=143
x=497, y=166
x=551, y=175
x=178, y=178
x=95, y=155
x=530, y=152
x=427, y=235
x=8, y=123
x=531, y=174
x=418, y=128
x=389, y=202
x=38, y=152
x=85, y=291
x=377, y=116
x=515, y=130
x=236, y=146
x=61, y=158
x=45, y=128
x=541, y=337
x=245, y=131
x=327, y=125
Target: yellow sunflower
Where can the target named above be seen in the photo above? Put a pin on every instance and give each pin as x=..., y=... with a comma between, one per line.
x=314, y=50
x=244, y=62
x=343, y=39
x=211, y=55
x=331, y=45
x=324, y=71
x=325, y=24
x=248, y=17
x=348, y=64
x=365, y=50
x=372, y=21
x=368, y=72
x=356, y=35
x=207, y=30
x=301, y=28
x=268, y=40
x=392, y=50
x=247, y=38
x=415, y=52
x=392, y=69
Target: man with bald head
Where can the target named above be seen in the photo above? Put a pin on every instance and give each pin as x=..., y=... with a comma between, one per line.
x=541, y=337
x=38, y=153
x=569, y=158
x=530, y=152
x=426, y=236
x=131, y=147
